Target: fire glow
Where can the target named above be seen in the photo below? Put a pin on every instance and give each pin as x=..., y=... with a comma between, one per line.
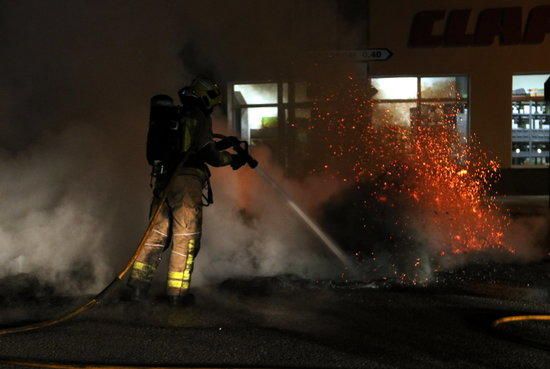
x=426, y=166
x=447, y=179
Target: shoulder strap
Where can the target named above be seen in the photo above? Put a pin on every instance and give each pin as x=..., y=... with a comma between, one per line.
x=189, y=130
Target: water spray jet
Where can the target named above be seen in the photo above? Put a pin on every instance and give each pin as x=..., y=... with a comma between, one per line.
x=312, y=225
x=242, y=149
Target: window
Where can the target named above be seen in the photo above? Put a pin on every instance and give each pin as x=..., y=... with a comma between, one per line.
x=396, y=88
x=257, y=111
x=530, y=121
x=422, y=100
x=273, y=114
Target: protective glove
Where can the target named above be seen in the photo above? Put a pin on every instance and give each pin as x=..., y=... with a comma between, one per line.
x=227, y=142
x=237, y=161
x=234, y=141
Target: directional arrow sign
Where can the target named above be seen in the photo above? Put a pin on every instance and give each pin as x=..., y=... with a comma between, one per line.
x=365, y=55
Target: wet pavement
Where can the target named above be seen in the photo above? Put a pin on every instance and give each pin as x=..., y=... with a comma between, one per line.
x=288, y=322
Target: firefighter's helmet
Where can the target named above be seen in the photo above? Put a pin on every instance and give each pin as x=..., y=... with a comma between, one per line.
x=204, y=89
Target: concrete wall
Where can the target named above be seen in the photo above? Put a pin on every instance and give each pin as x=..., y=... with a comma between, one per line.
x=490, y=68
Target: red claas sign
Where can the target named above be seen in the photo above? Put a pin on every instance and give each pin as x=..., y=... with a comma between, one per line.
x=504, y=23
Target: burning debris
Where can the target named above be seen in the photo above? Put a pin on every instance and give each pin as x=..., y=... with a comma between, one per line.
x=427, y=191
x=447, y=180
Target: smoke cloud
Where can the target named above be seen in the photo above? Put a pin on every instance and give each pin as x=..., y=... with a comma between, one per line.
x=251, y=231
x=75, y=82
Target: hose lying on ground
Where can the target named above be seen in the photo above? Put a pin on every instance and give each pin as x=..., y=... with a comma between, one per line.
x=520, y=318
x=243, y=151
x=97, y=298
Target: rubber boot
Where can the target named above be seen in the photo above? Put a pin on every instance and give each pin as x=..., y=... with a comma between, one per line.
x=186, y=300
x=139, y=293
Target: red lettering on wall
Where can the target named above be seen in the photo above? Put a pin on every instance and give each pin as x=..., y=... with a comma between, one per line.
x=422, y=29
x=502, y=23
x=455, y=29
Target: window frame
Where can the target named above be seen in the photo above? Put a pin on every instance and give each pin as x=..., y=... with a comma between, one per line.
x=419, y=100
x=281, y=105
x=524, y=166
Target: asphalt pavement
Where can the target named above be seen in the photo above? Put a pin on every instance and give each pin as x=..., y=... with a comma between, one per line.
x=288, y=322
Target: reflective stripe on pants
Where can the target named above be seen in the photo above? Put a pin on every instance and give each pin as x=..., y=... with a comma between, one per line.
x=179, y=223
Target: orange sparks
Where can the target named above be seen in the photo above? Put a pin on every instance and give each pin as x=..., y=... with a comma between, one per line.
x=427, y=160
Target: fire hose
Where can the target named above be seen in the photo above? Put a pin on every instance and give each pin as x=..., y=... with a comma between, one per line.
x=97, y=298
x=520, y=318
x=81, y=309
x=241, y=148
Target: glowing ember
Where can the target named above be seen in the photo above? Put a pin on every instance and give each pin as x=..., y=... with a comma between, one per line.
x=426, y=166
x=450, y=180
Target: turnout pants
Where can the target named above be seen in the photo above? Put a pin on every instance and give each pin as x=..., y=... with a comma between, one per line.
x=179, y=223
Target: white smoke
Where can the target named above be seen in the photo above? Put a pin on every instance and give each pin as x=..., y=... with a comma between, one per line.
x=64, y=207
x=74, y=93
x=74, y=88
x=263, y=236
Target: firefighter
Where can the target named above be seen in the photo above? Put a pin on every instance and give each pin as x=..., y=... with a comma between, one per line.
x=180, y=219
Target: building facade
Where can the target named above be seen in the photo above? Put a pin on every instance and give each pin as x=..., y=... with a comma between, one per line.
x=490, y=58
x=502, y=49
